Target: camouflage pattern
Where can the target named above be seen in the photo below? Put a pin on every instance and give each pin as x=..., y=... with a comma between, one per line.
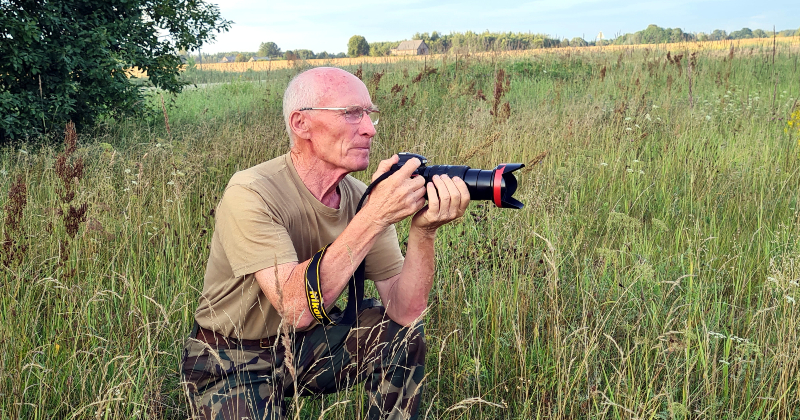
x=227, y=382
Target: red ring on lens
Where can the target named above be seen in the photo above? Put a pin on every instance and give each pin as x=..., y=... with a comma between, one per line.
x=496, y=184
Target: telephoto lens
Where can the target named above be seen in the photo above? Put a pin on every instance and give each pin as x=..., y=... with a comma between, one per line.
x=497, y=185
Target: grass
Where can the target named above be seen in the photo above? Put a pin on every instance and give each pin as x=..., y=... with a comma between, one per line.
x=652, y=274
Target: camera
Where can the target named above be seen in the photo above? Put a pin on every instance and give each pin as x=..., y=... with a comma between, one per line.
x=497, y=185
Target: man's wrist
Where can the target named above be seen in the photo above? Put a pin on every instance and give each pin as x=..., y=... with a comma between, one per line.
x=426, y=233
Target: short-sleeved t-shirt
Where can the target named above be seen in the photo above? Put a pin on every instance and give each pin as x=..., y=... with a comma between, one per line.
x=267, y=217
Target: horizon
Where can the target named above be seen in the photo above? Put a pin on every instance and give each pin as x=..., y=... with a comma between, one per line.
x=332, y=25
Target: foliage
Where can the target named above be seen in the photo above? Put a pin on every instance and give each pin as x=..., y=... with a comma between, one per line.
x=381, y=49
x=241, y=58
x=269, y=49
x=66, y=60
x=357, y=46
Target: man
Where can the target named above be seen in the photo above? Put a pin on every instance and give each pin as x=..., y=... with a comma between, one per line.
x=271, y=221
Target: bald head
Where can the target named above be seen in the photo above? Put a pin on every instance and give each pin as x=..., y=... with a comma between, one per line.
x=317, y=87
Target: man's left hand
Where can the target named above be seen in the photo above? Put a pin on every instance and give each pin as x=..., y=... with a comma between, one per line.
x=448, y=199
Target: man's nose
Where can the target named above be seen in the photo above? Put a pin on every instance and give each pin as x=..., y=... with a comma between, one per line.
x=366, y=126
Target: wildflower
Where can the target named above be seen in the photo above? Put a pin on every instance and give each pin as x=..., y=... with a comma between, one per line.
x=181, y=173
x=641, y=172
x=647, y=117
x=637, y=126
x=24, y=152
x=170, y=183
x=629, y=170
x=724, y=362
x=169, y=201
x=127, y=171
x=134, y=183
x=658, y=118
x=603, y=164
x=628, y=129
x=789, y=299
x=628, y=118
x=126, y=189
x=708, y=117
x=636, y=161
x=655, y=106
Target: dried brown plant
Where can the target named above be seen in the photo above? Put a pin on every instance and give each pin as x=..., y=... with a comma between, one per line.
x=501, y=111
x=359, y=72
x=603, y=74
x=396, y=89
x=375, y=82
x=13, y=249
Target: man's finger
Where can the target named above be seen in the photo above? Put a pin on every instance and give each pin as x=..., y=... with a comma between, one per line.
x=453, y=193
x=443, y=192
x=433, y=199
x=408, y=168
x=464, y=190
x=384, y=166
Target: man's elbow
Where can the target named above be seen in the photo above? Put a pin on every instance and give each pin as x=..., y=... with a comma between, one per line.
x=408, y=317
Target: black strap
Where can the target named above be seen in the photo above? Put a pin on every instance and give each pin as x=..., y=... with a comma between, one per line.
x=355, y=293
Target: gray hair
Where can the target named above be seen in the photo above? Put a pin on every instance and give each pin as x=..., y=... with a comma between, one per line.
x=302, y=92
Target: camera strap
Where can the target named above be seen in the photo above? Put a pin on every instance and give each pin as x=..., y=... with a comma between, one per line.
x=355, y=293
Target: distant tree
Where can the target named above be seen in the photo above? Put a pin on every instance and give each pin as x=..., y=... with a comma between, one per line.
x=578, y=42
x=565, y=42
x=357, y=46
x=718, y=35
x=339, y=55
x=304, y=54
x=323, y=54
x=760, y=33
x=743, y=33
x=290, y=55
x=240, y=58
x=434, y=36
x=65, y=60
x=269, y=49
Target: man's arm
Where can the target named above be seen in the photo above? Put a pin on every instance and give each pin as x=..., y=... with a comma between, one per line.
x=394, y=199
x=406, y=294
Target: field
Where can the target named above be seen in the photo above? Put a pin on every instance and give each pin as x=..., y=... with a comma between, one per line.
x=653, y=273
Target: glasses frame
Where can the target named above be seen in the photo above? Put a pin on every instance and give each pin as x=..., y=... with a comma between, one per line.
x=363, y=110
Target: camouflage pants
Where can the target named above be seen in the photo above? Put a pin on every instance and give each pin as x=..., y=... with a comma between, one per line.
x=252, y=383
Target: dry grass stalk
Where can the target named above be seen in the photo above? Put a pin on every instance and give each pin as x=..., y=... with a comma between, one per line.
x=13, y=250
x=484, y=146
x=166, y=117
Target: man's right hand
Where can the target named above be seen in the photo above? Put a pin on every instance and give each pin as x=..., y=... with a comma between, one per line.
x=398, y=196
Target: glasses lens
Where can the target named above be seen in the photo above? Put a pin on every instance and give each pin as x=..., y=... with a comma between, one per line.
x=353, y=114
x=374, y=116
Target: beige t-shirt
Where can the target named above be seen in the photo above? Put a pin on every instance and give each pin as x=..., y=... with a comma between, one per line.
x=268, y=217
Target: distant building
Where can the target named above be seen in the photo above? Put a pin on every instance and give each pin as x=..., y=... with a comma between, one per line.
x=259, y=59
x=414, y=47
x=228, y=59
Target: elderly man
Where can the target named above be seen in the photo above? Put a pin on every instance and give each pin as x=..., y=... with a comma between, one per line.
x=271, y=222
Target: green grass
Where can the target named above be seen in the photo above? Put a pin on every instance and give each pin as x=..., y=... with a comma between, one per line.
x=652, y=274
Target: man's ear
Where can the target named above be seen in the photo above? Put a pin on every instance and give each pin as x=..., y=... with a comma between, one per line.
x=298, y=122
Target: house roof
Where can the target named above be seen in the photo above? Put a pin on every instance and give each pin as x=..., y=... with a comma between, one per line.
x=410, y=45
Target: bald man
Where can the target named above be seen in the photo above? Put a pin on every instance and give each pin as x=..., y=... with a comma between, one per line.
x=272, y=219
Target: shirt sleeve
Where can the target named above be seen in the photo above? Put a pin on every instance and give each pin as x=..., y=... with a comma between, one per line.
x=252, y=234
x=384, y=260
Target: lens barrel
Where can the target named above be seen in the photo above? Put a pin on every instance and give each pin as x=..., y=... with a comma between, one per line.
x=497, y=185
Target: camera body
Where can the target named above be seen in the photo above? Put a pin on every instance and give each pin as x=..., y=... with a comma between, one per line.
x=497, y=185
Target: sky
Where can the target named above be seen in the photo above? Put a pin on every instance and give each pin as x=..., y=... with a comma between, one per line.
x=325, y=25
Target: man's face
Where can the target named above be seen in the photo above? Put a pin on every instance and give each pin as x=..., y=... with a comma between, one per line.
x=339, y=143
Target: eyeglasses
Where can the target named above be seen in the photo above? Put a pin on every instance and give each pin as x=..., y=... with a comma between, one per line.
x=352, y=114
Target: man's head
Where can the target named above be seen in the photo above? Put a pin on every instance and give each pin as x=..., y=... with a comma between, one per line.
x=329, y=135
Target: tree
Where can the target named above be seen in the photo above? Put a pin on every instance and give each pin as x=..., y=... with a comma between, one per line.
x=269, y=49
x=357, y=46
x=67, y=59
x=578, y=42
x=240, y=58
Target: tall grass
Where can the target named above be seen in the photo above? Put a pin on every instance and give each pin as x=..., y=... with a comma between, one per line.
x=652, y=274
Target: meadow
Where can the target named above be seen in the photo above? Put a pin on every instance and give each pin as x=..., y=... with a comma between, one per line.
x=653, y=273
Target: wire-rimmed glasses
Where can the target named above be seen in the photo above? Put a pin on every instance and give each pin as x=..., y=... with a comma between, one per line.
x=353, y=113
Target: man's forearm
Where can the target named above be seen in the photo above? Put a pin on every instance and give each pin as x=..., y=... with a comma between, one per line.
x=341, y=260
x=409, y=295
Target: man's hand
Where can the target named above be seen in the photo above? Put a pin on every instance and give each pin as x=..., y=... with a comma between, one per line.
x=448, y=199
x=399, y=195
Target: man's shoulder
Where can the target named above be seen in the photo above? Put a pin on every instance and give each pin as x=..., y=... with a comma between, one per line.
x=273, y=171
